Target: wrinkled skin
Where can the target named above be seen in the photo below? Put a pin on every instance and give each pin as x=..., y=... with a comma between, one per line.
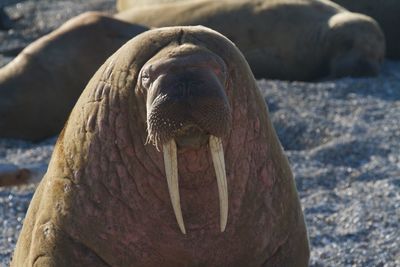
x=282, y=39
x=104, y=200
x=386, y=13
x=39, y=88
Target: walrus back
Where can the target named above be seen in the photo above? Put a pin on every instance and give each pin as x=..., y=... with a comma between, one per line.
x=277, y=37
x=41, y=85
x=263, y=47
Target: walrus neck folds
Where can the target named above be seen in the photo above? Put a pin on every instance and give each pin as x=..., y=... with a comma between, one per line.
x=186, y=104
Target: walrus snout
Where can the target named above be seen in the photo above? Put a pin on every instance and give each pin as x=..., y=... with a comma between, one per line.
x=186, y=100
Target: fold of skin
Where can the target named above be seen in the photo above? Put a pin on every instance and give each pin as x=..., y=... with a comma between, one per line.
x=104, y=200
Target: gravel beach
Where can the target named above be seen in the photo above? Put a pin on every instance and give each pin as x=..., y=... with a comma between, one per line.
x=342, y=138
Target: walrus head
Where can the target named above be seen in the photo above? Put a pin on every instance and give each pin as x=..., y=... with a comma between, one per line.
x=187, y=106
x=358, y=46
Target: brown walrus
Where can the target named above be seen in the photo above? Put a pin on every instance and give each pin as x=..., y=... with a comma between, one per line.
x=281, y=39
x=41, y=85
x=386, y=13
x=105, y=201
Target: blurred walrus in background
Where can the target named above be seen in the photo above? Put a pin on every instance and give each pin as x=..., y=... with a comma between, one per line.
x=281, y=39
x=106, y=200
x=386, y=13
x=127, y=4
x=41, y=85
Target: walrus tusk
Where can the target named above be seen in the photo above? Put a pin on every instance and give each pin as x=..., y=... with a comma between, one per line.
x=171, y=171
x=217, y=154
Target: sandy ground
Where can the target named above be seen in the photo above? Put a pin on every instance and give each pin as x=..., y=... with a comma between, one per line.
x=342, y=138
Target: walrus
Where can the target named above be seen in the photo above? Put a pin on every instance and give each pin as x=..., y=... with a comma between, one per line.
x=283, y=39
x=386, y=13
x=108, y=199
x=39, y=88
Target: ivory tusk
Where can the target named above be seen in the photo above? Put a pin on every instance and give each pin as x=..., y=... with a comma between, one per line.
x=171, y=171
x=217, y=154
